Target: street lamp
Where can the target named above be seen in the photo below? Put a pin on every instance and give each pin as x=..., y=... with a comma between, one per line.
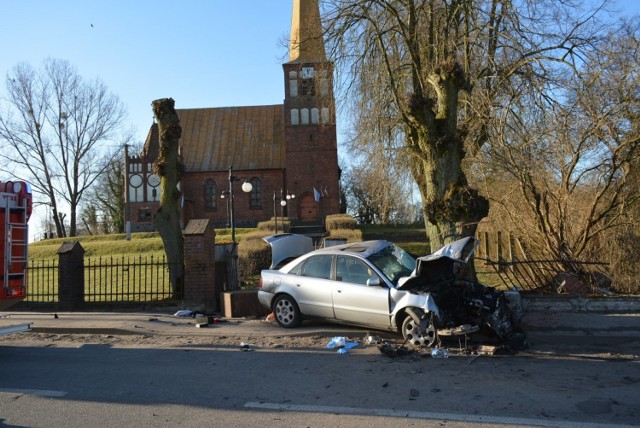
x=283, y=203
x=225, y=195
x=246, y=187
x=232, y=265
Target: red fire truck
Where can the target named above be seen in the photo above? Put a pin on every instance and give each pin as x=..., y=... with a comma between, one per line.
x=15, y=210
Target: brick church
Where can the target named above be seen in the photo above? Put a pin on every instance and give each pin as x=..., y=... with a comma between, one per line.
x=287, y=152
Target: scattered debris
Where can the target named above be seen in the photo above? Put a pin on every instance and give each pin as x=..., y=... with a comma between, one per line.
x=371, y=340
x=245, y=347
x=394, y=351
x=342, y=344
x=336, y=342
x=201, y=321
x=183, y=313
x=439, y=353
x=487, y=350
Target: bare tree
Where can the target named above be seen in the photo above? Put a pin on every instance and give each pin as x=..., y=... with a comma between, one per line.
x=379, y=195
x=427, y=76
x=574, y=156
x=107, y=195
x=170, y=169
x=53, y=130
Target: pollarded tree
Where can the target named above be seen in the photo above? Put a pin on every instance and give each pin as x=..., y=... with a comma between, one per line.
x=54, y=126
x=170, y=169
x=426, y=76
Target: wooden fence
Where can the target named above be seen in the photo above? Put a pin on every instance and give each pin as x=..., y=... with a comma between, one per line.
x=518, y=265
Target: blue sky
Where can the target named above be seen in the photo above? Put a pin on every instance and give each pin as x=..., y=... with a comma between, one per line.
x=201, y=53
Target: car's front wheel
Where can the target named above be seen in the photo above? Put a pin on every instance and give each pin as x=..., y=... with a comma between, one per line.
x=419, y=334
x=286, y=311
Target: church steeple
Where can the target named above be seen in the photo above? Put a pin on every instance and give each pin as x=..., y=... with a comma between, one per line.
x=306, y=43
x=310, y=133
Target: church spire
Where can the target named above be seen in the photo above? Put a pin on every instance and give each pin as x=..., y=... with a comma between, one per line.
x=306, y=44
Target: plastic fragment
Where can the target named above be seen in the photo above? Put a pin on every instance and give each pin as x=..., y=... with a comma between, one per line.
x=342, y=344
x=439, y=353
x=183, y=313
x=336, y=342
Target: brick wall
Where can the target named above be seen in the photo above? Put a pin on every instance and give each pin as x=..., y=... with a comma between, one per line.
x=194, y=191
x=199, y=263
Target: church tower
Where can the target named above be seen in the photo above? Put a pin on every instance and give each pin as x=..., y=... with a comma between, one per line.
x=310, y=120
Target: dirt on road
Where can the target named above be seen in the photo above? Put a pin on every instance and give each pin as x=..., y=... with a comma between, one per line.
x=367, y=342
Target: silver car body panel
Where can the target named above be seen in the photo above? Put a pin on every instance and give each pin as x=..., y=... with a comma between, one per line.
x=287, y=245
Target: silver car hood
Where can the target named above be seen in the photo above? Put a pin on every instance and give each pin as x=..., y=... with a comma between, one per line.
x=439, y=265
x=287, y=246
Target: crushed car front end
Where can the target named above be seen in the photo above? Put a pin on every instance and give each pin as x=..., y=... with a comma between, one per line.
x=463, y=305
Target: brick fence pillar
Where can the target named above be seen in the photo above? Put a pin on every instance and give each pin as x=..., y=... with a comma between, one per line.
x=199, y=264
x=70, y=275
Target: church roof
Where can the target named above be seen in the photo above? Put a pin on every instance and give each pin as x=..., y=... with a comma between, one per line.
x=247, y=138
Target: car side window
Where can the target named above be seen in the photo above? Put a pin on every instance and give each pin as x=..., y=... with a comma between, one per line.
x=317, y=267
x=353, y=270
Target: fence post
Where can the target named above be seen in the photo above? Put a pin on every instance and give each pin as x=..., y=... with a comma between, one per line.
x=500, y=257
x=70, y=275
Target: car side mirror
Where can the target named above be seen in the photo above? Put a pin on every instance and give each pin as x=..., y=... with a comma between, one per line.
x=373, y=281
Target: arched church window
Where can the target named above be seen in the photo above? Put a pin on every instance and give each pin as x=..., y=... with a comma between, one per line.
x=315, y=116
x=255, y=201
x=295, y=116
x=304, y=116
x=324, y=87
x=210, y=190
x=325, y=115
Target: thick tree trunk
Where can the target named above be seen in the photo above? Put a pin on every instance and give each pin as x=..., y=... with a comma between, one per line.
x=169, y=168
x=451, y=208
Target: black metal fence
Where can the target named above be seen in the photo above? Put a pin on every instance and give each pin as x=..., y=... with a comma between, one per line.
x=114, y=280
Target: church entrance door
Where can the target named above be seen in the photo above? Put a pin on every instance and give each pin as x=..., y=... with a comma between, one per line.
x=308, y=209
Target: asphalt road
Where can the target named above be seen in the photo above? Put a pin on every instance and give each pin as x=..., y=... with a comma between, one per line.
x=69, y=385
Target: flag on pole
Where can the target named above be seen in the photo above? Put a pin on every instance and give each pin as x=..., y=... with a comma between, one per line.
x=316, y=195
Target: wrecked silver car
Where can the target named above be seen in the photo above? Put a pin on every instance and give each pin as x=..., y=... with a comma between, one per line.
x=377, y=284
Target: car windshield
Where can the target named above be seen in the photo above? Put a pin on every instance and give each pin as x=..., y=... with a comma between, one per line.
x=394, y=262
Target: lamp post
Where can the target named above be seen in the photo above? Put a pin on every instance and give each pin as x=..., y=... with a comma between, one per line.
x=246, y=187
x=283, y=203
x=232, y=264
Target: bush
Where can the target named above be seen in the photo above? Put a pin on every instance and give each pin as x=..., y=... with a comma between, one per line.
x=253, y=253
x=622, y=253
x=340, y=221
x=348, y=234
x=284, y=225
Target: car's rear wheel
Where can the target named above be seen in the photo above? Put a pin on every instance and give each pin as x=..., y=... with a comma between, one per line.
x=418, y=335
x=286, y=311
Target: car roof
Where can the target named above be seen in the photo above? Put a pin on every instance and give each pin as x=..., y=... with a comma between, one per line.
x=363, y=249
